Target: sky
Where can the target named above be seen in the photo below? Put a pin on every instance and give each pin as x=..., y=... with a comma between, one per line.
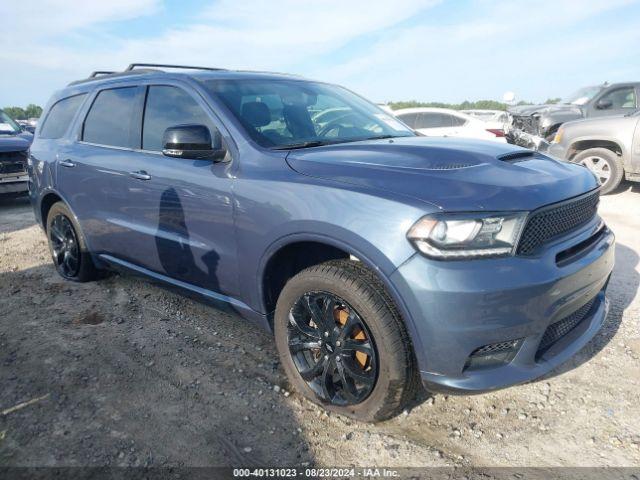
x=389, y=50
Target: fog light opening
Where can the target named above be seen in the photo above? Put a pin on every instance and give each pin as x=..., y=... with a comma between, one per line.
x=493, y=355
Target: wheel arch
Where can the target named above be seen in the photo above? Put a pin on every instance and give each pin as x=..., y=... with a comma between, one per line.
x=375, y=260
x=581, y=145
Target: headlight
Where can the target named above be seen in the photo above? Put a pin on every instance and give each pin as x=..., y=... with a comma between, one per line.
x=467, y=235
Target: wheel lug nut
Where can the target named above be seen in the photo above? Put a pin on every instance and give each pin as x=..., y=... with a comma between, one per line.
x=326, y=334
x=326, y=357
x=338, y=359
x=338, y=343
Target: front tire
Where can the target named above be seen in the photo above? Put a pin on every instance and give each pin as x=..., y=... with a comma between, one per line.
x=342, y=342
x=67, y=246
x=605, y=165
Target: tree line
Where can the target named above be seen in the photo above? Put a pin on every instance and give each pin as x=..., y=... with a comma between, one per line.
x=466, y=105
x=19, y=113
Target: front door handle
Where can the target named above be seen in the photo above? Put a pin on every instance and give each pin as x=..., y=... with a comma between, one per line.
x=67, y=163
x=140, y=175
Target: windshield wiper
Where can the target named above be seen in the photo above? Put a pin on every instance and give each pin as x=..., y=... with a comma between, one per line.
x=312, y=143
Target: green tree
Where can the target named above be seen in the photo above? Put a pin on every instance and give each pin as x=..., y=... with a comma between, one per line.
x=466, y=105
x=552, y=101
x=33, y=111
x=17, y=113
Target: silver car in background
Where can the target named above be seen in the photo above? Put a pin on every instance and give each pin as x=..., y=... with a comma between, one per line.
x=608, y=146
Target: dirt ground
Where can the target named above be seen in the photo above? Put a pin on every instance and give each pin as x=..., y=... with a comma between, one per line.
x=123, y=372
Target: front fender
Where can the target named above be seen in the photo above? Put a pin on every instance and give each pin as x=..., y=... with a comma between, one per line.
x=367, y=253
x=550, y=120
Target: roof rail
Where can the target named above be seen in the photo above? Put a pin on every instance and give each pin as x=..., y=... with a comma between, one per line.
x=100, y=72
x=164, y=65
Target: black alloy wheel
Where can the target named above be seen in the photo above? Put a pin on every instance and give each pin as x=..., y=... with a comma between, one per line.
x=332, y=348
x=65, y=248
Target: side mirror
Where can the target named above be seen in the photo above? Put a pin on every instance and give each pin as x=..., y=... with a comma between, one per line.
x=192, y=142
x=603, y=104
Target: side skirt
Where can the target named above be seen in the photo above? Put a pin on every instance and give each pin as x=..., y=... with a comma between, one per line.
x=222, y=302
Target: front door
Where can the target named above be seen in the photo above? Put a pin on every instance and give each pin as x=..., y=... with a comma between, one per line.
x=615, y=101
x=181, y=210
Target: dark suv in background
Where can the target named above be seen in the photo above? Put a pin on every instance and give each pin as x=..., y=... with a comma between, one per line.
x=14, y=146
x=379, y=258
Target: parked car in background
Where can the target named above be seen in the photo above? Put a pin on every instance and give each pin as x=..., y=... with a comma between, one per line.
x=497, y=116
x=378, y=257
x=14, y=147
x=609, y=147
x=534, y=126
x=443, y=122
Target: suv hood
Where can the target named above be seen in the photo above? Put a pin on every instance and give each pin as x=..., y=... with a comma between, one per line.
x=14, y=142
x=452, y=174
x=526, y=110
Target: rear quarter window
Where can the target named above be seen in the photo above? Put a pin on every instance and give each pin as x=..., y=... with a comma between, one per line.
x=60, y=116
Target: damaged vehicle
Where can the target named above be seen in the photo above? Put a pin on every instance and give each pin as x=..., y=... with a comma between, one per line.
x=534, y=126
x=14, y=147
x=603, y=145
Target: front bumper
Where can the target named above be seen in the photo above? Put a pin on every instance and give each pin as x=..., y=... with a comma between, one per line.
x=14, y=183
x=458, y=307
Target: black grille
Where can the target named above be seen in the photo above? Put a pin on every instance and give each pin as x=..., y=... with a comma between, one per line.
x=13, y=162
x=551, y=222
x=559, y=329
x=496, y=347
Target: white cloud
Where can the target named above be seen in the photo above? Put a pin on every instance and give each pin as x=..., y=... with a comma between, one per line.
x=483, y=49
x=494, y=47
x=46, y=18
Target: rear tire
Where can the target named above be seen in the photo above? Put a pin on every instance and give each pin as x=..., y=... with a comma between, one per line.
x=605, y=164
x=359, y=296
x=68, y=247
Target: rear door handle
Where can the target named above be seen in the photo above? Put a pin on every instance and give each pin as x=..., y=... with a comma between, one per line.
x=140, y=175
x=67, y=163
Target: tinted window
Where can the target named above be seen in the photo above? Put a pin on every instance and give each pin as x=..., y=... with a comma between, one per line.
x=110, y=119
x=457, y=121
x=621, y=98
x=285, y=113
x=433, y=120
x=60, y=116
x=167, y=107
x=409, y=119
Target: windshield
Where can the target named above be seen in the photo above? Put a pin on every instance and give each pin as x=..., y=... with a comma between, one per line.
x=7, y=125
x=283, y=114
x=582, y=96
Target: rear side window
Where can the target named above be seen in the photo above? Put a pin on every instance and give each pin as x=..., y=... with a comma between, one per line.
x=110, y=118
x=409, y=119
x=60, y=116
x=433, y=120
x=167, y=107
x=457, y=121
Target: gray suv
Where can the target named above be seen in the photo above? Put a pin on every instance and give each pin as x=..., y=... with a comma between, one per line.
x=609, y=147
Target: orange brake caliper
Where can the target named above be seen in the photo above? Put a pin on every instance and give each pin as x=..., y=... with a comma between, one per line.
x=341, y=316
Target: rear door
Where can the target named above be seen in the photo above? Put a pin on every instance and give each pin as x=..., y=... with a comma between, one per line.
x=93, y=172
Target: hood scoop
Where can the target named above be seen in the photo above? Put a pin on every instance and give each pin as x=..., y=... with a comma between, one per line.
x=519, y=156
